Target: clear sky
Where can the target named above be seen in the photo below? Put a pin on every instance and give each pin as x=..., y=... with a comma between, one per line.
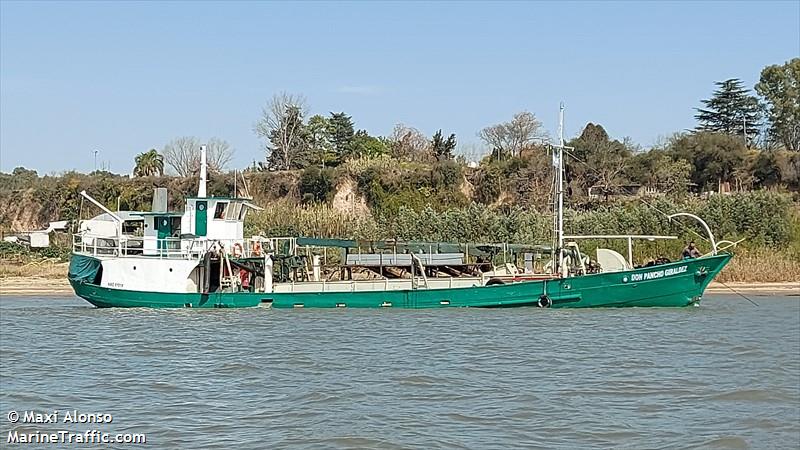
x=126, y=77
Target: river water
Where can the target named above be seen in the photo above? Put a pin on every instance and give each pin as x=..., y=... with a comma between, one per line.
x=724, y=375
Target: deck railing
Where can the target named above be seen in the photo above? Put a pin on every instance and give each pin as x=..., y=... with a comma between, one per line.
x=171, y=247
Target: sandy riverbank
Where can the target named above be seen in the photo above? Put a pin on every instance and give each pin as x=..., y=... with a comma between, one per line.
x=786, y=288
x=33, y=286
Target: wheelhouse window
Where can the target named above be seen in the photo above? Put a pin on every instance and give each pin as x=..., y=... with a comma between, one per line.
x=219, y=212
x=233, y=211
x=176, y=227
x=133, y=227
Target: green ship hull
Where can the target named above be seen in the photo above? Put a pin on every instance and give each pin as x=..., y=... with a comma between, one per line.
x=676, y=284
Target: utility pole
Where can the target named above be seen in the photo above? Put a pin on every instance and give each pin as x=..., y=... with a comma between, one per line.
x=95, y=160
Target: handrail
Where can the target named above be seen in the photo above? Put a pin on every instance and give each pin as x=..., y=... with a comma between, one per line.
x=421, y=268
x=703, y=223
x=628, y=237
x=728, y=245
x=169, y=247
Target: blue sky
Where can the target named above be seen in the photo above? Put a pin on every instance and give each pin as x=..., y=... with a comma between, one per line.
x=127, y=77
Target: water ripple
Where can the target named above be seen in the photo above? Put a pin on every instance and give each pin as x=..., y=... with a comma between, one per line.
x=723, y=376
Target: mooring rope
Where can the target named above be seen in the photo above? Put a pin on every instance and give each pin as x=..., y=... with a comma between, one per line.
x=738, y=293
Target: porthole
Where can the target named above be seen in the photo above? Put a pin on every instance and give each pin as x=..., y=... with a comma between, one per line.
x=170, y=269
x=134, y=267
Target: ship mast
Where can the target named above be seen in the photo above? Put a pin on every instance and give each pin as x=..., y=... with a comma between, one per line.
x=558, y=203
x=201, y=189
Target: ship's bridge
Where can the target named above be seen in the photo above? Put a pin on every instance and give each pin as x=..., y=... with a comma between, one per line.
x=215, y=217
x=205, y=223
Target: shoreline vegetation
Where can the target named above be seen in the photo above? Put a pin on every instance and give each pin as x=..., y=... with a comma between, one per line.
x=321, y=176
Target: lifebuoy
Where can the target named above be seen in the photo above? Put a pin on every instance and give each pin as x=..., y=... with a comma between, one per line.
x=495, y=281
x=544, y=301
x=237, y=250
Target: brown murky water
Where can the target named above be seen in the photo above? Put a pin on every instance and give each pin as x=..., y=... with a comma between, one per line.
x=724, y=375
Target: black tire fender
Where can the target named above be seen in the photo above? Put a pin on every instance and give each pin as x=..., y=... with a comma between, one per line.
x=544, y=301
x=494, y=281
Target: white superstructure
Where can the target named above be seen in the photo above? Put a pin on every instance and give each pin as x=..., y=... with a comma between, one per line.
x=162, y=250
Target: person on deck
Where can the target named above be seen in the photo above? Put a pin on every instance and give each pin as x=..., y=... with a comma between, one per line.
x=691, y=251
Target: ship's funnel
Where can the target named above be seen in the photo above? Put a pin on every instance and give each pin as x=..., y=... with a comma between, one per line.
x=159, y=200
x=201, y=190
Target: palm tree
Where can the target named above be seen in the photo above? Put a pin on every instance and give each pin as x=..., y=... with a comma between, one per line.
x=149, y=164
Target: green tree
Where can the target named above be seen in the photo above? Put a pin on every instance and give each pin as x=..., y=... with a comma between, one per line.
x=765, y=169
x=715, y=157
x=25, y=176
x=443, y=148
x=780, y=87
x=342, y=134
x=601, y=161
x=658, y=169
x=368, y=146
x=149, y=164
x=731, y=110
x=321, y=149
x=19, y=178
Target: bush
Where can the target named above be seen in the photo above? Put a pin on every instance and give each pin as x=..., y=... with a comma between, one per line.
x=269, y=186
x=10, y=250
x=446, y=175
x=763, y=218
x=316, y=185
x=488, y=184
x=62, y=253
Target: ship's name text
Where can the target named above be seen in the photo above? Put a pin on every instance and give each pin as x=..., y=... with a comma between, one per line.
x=658, y=273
